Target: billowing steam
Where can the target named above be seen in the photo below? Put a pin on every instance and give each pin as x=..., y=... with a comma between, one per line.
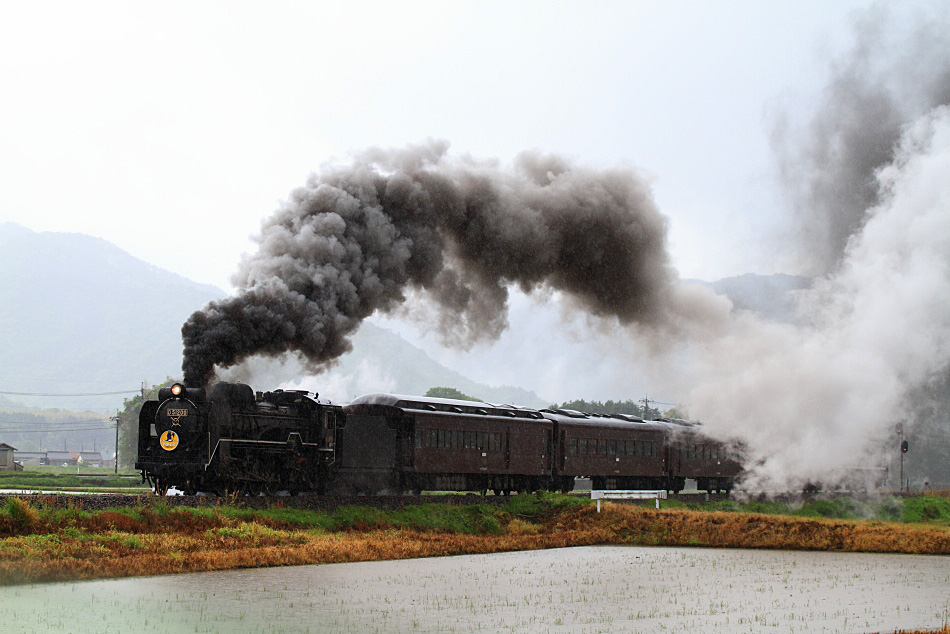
x=890, y=78
x=357, y=238
x=816, y=402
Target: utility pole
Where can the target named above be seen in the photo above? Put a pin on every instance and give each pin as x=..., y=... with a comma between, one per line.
x=903, y=450
x=646, y=407
x=116, y=419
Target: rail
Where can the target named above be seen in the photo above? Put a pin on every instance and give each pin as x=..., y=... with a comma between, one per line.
x=618, y=494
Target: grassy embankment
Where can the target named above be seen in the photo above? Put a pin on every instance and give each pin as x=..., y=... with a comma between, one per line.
x=46, y=544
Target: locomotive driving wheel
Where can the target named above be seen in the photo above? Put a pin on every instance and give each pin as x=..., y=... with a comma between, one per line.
x=269, y=488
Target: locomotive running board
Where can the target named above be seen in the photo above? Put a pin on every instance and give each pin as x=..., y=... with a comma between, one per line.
x=248, y=441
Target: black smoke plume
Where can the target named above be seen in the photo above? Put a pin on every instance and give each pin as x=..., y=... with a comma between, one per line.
x=357, y=238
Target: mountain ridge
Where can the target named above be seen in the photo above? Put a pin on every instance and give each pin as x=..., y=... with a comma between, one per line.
x=78, y=311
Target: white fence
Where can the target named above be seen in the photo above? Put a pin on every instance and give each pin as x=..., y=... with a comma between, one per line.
x=626, y=495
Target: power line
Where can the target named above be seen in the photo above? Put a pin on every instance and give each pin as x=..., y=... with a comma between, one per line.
x=21, y=378
x=44, y=431
x=136, y=391
x=46, y=421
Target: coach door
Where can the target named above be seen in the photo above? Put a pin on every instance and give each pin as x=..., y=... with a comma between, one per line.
x=548, y=463
x=405, y=449
x=561, y=451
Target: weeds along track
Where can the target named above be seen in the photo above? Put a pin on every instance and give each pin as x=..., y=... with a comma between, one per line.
x=98, y=502
x=101, y=501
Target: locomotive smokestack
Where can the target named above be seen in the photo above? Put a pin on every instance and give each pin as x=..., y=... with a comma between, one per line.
x=358, y=238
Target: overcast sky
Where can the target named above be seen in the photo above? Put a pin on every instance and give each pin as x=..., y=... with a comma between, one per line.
x=172, y=130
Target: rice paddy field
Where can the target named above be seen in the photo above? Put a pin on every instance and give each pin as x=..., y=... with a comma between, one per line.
x=583, y=590
x=71, y=479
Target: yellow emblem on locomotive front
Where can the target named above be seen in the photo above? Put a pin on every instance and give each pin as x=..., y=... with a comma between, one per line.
x=169, y=440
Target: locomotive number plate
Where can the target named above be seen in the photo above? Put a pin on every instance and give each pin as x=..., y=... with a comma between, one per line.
x=169, y=440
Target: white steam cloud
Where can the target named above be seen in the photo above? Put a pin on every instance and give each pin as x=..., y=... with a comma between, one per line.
x=813, y=402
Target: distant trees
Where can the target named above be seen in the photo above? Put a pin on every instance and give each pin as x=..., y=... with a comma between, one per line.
x=129, y=423
x=449, y=392
x=676, y=412
x=608, y=407
x=621, y=407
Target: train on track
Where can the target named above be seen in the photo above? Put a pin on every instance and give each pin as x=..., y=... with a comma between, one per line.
x=231, y=440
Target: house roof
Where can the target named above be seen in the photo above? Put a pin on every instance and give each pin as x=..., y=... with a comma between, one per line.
x=4, y=445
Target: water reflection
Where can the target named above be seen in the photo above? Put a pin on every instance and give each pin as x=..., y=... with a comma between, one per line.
x=575, y=590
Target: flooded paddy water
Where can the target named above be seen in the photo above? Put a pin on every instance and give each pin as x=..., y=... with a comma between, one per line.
x=573, y=590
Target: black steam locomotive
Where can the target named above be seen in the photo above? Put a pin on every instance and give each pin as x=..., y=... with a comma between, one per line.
x=232, y=440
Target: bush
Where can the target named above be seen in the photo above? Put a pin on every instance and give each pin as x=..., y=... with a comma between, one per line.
x=490, y=525
x=927, y=508
x=20, y=511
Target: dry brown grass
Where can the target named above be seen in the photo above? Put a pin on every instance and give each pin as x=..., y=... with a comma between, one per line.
x=24, y=562
x=116, y=545
x=636, y=525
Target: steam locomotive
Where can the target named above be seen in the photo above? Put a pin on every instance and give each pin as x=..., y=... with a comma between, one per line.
x=231, y=440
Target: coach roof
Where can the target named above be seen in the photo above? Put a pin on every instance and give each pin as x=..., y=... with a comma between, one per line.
x=396, y=402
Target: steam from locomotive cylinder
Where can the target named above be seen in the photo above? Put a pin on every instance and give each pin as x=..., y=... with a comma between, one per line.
x=356, y=239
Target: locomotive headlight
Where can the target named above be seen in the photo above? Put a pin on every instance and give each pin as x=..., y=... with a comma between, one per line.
x=177, y=389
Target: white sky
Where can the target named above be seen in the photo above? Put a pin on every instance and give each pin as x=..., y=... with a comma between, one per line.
x=172, y=129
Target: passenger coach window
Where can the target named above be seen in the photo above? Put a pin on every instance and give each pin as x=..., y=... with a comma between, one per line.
x=612, y=447
x=582, y=445
x=603, y=448
x=573, y=447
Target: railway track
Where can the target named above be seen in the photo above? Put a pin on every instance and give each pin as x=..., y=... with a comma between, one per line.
x=100, y=501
